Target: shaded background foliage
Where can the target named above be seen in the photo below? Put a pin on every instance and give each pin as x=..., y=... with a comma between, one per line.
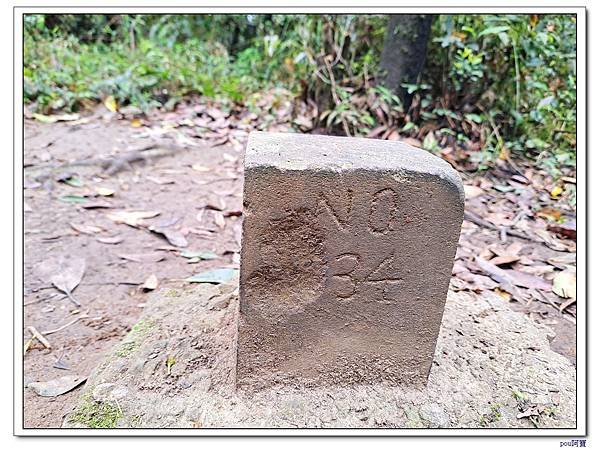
x=492, y=83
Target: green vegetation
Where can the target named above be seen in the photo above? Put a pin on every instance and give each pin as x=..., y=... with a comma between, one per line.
x=493, y=416
x=517, y=74
x=133, y=339
x=413, y=418
x=95, y=414
x=494, y=83
x=172, y=293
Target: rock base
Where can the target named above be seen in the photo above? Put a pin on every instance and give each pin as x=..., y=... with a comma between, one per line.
x=492, y=368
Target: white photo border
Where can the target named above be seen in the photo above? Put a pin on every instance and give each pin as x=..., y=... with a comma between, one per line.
x=438, y=7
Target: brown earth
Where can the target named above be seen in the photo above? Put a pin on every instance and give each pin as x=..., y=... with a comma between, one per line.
x=196, y=186
x=109, y=292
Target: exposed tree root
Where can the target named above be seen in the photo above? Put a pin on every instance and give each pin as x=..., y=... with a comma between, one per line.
x=114, y=164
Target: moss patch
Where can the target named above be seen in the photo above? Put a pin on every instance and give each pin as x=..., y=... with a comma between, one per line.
x=493, y=416
x=125, y=349
x=96, y=414
x=172, y=293
x=134, y=338
x=413, y=418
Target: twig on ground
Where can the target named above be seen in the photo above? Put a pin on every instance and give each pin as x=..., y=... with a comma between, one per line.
x=113, y=165
x=474, y=218
x=120, y=162
x=39, y=336
x=72, y=298
x=546, y=299
x=62, y=327
x=33, y=302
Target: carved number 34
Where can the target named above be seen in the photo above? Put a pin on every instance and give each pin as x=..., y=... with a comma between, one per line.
x=345, y=281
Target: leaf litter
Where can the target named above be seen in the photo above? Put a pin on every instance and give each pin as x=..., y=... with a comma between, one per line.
x=64, y=273
x=203, y=254
x=150, y=284
x=503, y=206
x=142, y=257
x=57, y=386
x=174, y=237
x=216, y=276
x=132, y=218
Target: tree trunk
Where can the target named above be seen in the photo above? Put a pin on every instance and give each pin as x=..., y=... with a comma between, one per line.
x=404, y=51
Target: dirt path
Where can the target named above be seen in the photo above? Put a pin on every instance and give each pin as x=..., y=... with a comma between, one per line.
x=187, y=199
x=487, y=358
x=192, y=187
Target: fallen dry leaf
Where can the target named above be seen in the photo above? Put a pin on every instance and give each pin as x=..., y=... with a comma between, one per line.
x=64, y=273
x=219, y=219
x=216, y=276
x=565, y=284
x=412, y=141
x=203, y=254
x=477, y=282
x=132, y=218
x=532, y=411
x=233, y=213
x=556, y=191
x=200, y=168
x=56, y=118
x=553, y=243
x=527, y=280
x=567, y=229
x=174, y=237
x=161, y=181
x=549, y=213
x=504, y=259
x=86, y=229
x=56, y=387
x=151, y=283
x=105, y=192
x=562, y=260
x=166, y=222
x=538, y=269
x=142, y=257
x=456, y=284
x=229, y=158
x=505, y=295
x=213, y=202
x=215, y=113
x=96, y=204
x=110, y=239
x=472, y=191
x=110, y=103
x=31, y=184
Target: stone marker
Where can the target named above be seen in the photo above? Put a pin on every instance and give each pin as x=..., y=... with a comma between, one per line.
x=348, y=247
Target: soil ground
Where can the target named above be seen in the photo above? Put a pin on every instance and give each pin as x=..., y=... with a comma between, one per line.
x=196, y=192
x=492, y=368
x=109, y=292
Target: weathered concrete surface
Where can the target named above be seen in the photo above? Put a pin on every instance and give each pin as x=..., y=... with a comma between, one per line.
x=348, y=246
x=491, y=364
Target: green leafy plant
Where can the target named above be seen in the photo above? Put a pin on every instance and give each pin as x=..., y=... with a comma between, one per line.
x=504, y=82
